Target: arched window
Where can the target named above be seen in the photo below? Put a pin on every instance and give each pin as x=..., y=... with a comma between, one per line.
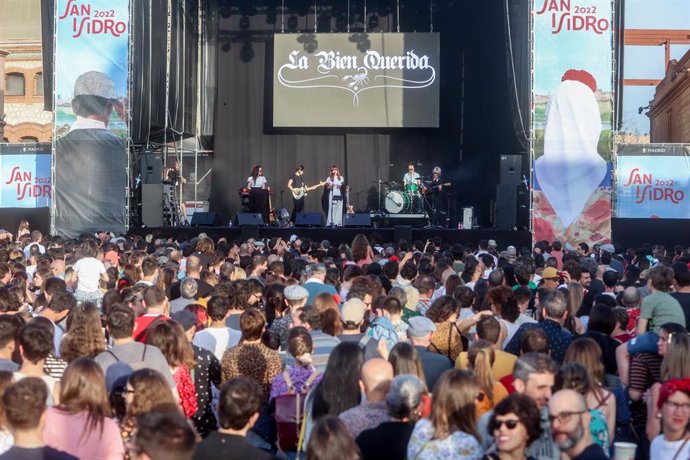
x=14, y=84
x=39, y=84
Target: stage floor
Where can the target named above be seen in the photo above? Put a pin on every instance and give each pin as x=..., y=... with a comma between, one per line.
x=503, y=238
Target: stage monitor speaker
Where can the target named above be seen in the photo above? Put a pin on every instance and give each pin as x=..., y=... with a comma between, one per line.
x=308, y=219
x=152, y=205
x=506, y=207
x=205, y=219
x=402, y=232
x=360, y=219
x=511, y=169
x=249, y=218
x=151, y=164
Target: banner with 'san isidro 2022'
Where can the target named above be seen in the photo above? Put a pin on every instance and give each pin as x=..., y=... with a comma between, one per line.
x=89, y=141
x=572, y=116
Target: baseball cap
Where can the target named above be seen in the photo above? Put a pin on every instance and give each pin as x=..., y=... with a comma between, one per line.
x=608, y=248
x=492, y=243
x=295, y=292
x=186, y=318
x=511, y=251
x=420, y=326
x=353, y=311
x=95, y=84
x=549, y=272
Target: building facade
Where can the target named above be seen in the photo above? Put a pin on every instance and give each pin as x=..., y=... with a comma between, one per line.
x=22, y=78
x=670, y=108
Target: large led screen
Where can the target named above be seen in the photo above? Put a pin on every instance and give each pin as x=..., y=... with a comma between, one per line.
x=382, y=80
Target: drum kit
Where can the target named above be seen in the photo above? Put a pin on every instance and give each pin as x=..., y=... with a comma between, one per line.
x=401, y=199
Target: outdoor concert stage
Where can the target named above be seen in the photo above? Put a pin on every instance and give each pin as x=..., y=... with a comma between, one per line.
x=503, y=238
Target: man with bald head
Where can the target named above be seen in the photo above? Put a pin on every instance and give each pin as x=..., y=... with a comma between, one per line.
x=193, y=270
x=570, y=421
x=375, y=380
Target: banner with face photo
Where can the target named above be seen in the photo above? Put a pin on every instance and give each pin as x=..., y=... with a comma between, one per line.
x=572, y=102
x=90, y=133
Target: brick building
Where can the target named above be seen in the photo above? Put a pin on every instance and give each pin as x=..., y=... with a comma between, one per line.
x=22, y=78
x=670, y=108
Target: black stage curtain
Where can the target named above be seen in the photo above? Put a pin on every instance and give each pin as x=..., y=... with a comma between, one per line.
x=241, y=140
x=149, y=35
x=517, y=17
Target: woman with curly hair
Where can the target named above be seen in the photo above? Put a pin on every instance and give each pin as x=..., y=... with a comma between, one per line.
x=446, y=339
x=204, y=250
x=84, y=336
x=146, y=389
x=504, y=305
x=515, y=424
x=81, y=424
x=170, y=338
x=362, y=254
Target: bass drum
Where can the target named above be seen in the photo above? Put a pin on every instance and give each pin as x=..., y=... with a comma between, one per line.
x=397, y=202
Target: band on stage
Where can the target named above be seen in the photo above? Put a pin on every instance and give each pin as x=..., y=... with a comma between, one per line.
x=417, y=195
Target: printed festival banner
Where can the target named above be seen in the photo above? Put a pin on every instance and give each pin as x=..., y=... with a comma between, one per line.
x=656, y=187
x=89, y=141
x=572, y=120
x=25, y=176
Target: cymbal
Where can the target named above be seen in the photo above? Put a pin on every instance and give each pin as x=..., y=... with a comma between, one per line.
x=384, y=182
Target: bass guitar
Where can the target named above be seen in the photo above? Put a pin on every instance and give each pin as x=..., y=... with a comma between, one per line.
x=300, y=192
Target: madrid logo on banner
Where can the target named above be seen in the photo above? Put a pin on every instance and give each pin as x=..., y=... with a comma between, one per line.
x=572, y=123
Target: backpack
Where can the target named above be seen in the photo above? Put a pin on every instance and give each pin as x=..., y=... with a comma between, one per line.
x=290, y=412
x=136, y=365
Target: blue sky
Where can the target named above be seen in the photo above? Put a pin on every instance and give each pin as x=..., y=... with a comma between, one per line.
x=648, y=61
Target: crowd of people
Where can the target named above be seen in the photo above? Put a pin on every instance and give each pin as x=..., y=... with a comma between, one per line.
x=117, y=347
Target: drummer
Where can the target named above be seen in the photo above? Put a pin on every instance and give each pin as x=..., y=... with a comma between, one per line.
x=412, y=182
x=411, y=179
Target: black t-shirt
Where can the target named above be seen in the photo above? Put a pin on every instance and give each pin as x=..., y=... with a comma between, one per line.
x=221, y=445
x=297, y=181
x=36, y=453
x=388, y=441
x=683, y=299
x=593, y=452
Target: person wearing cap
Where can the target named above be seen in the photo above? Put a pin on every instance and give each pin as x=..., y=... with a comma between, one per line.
x=550, y=279
x=674, y=408
x=420, y=331
x=91, y=162
x=352, y=315
x=295, y=299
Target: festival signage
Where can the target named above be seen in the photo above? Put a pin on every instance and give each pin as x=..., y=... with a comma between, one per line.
x=25, y=180
x=90, y=132
x=572, y=101
x=356, y=80
x=653, y=181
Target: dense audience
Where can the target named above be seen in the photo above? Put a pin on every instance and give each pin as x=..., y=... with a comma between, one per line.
x=129, y=347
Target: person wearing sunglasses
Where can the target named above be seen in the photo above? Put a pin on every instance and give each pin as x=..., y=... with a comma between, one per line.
x=515, y=423
x=570, y=420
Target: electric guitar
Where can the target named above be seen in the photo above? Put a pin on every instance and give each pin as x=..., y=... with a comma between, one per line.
x=300, y=192
x=427, y=188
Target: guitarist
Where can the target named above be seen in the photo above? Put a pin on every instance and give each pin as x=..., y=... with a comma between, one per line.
x=436, y=188
x=295, y=182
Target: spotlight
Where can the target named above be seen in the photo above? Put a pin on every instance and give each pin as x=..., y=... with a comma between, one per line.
x=292, y=23
x=244, y=23
x=373, y=21
x=247, y=52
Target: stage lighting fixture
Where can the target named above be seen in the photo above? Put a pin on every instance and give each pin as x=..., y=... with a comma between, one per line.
x=373, y=21
x=247, y=52
x=292, y=23
x=244, y=23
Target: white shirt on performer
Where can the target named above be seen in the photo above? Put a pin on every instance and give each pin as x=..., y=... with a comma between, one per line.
x=260, y=182
x=335, y=185
x=411, y=178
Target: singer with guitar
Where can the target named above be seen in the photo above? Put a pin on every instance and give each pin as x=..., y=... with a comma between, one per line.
x=299, y=190
x=436, y=187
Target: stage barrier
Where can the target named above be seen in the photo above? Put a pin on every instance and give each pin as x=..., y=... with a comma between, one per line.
x=571, y=123
x=90, y=159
